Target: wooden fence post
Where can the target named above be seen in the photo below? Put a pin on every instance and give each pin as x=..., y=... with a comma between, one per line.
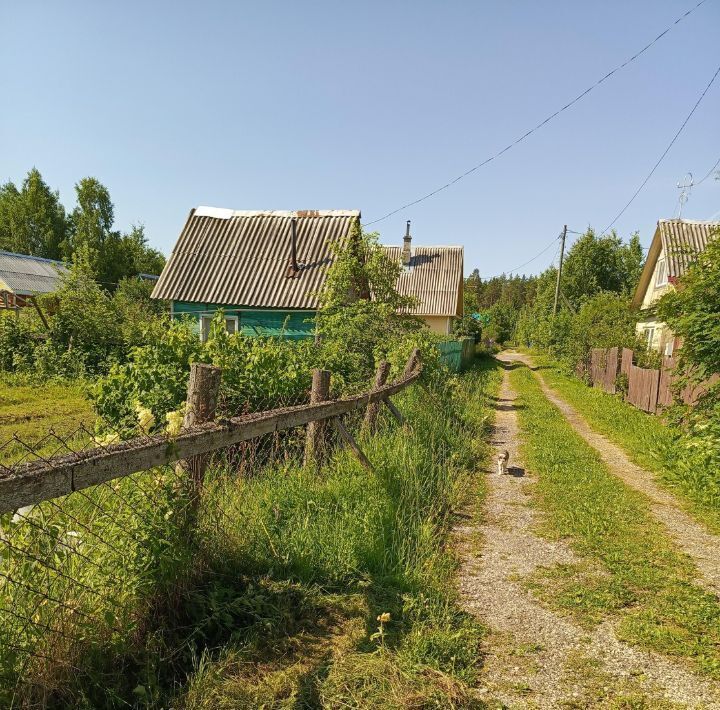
x=412, y=364
x=373, y=409
x=200, y=406
x=315, y=438
x=347, y=437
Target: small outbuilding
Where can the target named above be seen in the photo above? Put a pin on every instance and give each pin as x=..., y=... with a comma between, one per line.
x=264, y=269
x=433, y=275
x=675, y=245
x=22, y=277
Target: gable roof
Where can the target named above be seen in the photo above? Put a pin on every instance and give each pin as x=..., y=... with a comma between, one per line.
x=680, y=240
x=27, y=275
x=434, y=277
x=240, y=258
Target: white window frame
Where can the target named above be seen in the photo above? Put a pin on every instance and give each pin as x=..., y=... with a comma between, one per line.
x=205, y=330
x=649, y=337
x=207, y=319
x=661, y=275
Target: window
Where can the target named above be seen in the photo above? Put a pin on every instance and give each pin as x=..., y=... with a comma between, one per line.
x=231, y=325
x=661, y=273
x=205, y=322
x=649, y=336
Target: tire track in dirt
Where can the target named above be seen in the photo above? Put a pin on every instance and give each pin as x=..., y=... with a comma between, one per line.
x=689, y=535
x=534, y=657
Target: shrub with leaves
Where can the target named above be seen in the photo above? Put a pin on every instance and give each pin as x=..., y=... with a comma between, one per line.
x=361, y=322
x=692, y=312
x=88, y=328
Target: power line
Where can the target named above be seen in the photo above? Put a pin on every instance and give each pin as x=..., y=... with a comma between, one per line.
x=541, y=124
x=710, y=172
x=529, y=261
x=665, y=152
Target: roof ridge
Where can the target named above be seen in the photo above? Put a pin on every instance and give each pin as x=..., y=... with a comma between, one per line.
x=3, y=252
x=227, y=213
x=689, y=221
x=425, y=246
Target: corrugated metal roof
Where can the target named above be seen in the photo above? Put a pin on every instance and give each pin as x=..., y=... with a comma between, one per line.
x=433, y=277
x=241, y=257
x=682, y=241
x=27, y=275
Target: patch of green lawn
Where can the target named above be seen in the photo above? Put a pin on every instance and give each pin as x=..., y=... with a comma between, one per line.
x=635, y=571
x=644, y=438
x=32, y=412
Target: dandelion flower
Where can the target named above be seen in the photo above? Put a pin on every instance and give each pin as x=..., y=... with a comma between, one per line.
x=384, y=617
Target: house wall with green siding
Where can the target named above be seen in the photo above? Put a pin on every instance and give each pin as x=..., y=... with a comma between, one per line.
x=291, y=324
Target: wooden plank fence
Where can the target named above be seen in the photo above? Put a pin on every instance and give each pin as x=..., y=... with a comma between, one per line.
x=604, y=369
x=41, y=480
x=643, y=388
x=648, y=389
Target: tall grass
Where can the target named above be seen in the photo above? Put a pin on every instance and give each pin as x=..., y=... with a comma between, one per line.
x=633, y=570
x=647, y=441
x=373, y=542
x=275, y=599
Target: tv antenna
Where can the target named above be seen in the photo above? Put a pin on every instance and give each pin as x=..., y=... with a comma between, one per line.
x=685, y=187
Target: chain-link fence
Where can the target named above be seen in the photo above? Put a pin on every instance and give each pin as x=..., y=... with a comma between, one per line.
x=99, y=536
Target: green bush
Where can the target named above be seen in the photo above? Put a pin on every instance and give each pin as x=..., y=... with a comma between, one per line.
x=257, y=373
x=88, y=329
x=605, y=320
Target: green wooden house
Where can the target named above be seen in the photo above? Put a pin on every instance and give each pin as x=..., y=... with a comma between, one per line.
x=262, y=268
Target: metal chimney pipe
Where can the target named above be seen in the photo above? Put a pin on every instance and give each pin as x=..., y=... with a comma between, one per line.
x=406, y=252
x=293, y=267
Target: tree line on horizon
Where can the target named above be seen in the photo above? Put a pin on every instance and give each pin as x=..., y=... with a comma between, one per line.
x=33, y=221
x=600, y=274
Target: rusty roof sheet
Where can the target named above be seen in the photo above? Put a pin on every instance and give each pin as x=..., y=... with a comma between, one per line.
x=434, y=277
x=682, y=240
x=241, y=258
x=27, y=275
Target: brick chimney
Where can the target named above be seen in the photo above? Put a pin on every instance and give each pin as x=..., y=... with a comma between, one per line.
x=407, y=239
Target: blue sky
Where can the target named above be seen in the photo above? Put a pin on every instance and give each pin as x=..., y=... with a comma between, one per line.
x=329, y=105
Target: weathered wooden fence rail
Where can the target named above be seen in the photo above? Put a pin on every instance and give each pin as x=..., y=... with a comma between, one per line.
x=45, y=479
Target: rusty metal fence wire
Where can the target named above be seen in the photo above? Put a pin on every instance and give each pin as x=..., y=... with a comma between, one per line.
x=94, y=536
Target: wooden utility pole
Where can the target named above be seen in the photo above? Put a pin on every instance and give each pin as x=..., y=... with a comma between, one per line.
x=559, y=273
x=202, y=396
x=315, y=438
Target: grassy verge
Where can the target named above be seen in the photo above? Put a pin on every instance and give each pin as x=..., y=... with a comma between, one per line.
x=630, y=568
x=302, y=588
x=646, y=441
x=363, y=545
x=32, y=411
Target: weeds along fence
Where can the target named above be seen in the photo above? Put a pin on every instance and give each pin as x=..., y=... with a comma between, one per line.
x=648, y=389
x=96, y=539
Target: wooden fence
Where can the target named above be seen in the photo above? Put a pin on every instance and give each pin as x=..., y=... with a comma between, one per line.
x=648, y=389
x=45, y=479
x=604, y=369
